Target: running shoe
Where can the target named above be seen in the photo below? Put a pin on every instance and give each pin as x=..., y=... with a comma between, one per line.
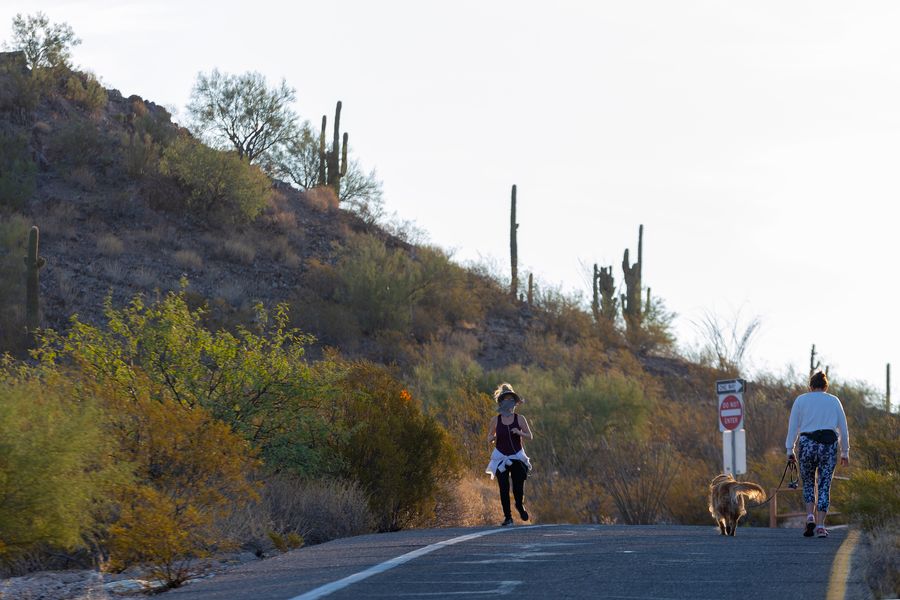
x=821, y=532
x=522, y=512
x=810, y=528
x=506, y=522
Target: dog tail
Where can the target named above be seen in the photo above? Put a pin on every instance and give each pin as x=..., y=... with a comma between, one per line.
x=750, y=491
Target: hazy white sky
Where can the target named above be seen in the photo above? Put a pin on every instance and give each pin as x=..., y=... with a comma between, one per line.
x=758, y=143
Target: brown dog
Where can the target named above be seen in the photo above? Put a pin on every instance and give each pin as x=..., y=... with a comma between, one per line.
x=726, y=501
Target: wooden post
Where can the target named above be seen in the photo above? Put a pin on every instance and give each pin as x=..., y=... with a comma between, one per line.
x=773, y=508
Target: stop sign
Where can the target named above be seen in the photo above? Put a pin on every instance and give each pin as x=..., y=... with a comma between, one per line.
x=731, y=412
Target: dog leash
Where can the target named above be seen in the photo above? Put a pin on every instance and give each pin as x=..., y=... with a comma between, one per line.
x=793, y=484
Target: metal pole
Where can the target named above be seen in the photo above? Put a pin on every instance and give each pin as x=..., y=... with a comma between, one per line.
x=734, y=452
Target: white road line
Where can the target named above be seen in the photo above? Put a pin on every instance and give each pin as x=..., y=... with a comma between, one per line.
x=330, y=588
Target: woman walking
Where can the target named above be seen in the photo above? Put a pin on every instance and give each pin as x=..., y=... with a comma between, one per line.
x=508, y=458
x=818, y=419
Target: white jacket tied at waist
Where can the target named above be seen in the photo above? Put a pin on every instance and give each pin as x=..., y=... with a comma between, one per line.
x=500, y=461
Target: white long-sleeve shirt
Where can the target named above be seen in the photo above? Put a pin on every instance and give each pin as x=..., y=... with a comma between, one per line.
x=817, y=410
x=500, y=461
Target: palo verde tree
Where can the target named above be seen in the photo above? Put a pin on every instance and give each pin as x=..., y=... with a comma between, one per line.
x=45, y=45
x=242, y=112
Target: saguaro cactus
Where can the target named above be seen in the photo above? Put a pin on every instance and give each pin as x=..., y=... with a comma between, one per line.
x=887, y=391
x=333, y=163
x=605, y=303
x=33, y=264
x=813, y=363
x=631, y=299
x=530, y=289
x=513, y=246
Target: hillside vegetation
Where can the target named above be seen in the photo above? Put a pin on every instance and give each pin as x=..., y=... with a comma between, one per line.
x=218, y=341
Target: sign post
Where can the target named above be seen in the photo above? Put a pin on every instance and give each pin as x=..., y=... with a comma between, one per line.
x=731, y=424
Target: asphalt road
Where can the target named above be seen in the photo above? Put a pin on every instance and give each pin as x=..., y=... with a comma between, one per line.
x=552, y=561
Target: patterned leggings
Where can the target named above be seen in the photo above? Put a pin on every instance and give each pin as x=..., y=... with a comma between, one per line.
x=823, y=457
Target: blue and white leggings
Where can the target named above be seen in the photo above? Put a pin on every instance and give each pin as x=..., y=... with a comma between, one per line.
x=823, y=457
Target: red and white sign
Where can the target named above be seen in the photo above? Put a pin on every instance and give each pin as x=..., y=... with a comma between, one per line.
x=731, y=412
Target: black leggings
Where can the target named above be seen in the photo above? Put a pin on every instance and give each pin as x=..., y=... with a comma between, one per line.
x=519, y=474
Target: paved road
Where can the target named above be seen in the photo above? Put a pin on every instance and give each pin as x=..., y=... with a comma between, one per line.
x=554, y=561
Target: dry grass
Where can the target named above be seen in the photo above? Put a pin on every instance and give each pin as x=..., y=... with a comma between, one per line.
x=115, y=271
x=155, y=234
x=469, y=502
x=110, y=245
x=281, y=250
x=144, y=278
x=84, y=178
x=188, y=259
x=279, y=213
x=883, y=564
x=318, y=511
x=322, y=198
x=60, y=221
x=238, y=251
x=233, y=292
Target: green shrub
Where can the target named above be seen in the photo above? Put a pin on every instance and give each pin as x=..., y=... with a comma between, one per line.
x=17, y=172
x=13, y=241
x=216, y=184
x=257, y=382
x=400, y=455
x=80, y=142
x=189, y=470
x=870, y=497
x=84, y=90
x=48, y=476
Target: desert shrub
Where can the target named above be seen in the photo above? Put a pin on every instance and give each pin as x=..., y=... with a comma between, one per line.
x=238, y=250
x=216, y=184
x=109, y=244
x=80, y=143
x=638, y=475
x=468, y=502
x=189, y=471
x=882, y=571
x=257, y=383
x=13, y=240
x=20, y=93
x=84, y=90
x=398, y=454
x=379, y=284
x=17, y=171
x=563, y=315
x=49, y=478
x=871, y=498
x=83, y=177
x=556, y=498
x=316, y=510
x=655, y=332
x=140, y=156
x=188, y=259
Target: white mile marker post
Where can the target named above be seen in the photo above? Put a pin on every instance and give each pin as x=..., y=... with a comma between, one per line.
x=731, y=424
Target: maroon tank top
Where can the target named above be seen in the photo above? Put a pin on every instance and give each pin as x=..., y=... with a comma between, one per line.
x=508, y=442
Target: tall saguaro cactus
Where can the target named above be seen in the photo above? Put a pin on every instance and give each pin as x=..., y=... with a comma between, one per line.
x=887, y=391
x=513, y=246
x=631, y=299
x=605, y=304
x=34, y=262
x=333, y=163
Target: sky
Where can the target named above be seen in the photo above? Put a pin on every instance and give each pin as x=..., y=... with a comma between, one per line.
x=757, y=143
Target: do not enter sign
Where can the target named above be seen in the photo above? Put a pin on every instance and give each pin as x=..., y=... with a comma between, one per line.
x=731, y=412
